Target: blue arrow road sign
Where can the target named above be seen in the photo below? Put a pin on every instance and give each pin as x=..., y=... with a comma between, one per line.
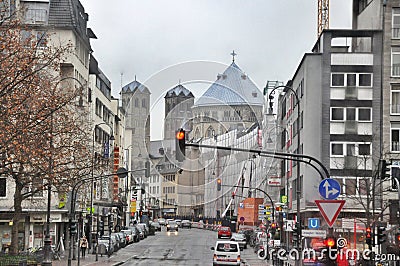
x=329, y=189
x=313, y=223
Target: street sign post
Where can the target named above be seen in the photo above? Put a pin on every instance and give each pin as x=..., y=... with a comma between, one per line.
x=329, y=189
x=330, y=209
x=313, y=223
x=313, y=233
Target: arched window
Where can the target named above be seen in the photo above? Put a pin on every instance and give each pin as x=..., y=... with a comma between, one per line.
x=210, y=132
x=136, y=102
x=143, y=103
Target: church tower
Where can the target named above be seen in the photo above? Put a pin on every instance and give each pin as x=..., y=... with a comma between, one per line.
x=136, y=104
x=178, y=111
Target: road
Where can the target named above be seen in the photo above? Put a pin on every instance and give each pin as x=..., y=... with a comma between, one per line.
x=187, y=247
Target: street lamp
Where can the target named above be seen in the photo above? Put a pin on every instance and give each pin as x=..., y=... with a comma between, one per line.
x=298, y=185
x=111, y=138
x=47, y=260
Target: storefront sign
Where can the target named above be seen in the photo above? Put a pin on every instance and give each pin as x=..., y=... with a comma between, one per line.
x=274, y=181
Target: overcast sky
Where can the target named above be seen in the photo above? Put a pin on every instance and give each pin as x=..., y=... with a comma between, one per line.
x=159, y=40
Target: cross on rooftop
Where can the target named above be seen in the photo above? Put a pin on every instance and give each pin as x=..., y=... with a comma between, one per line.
x=233, y=54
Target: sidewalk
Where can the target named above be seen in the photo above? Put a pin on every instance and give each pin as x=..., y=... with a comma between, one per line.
x=90, y=259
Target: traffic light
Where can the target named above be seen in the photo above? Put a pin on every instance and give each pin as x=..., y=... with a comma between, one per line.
x=385, y=169
x=273, y=229
x=73, y=229
x=110, y=222
x=297, y=234
x=381, y=234
x=100, y=226
x=397, y=239
x=219, y=184
x=180, y=145
x=147, y=170
x=368, y=236
x=330, y=242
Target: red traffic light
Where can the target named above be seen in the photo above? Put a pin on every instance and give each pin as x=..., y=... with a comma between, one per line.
x=330, y=242
x=180, y=135
x=368, y=230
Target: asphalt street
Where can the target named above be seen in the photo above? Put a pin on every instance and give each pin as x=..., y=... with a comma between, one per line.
x=186, y=247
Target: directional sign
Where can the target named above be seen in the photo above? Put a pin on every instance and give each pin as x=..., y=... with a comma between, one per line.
x=329, y=189
x=330, y=209
x=313, y=223
x=313, y=233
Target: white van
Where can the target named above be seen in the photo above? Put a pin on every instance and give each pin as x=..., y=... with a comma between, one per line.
x=226, y=253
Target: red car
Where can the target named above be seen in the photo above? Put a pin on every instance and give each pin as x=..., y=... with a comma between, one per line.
x=224, y=231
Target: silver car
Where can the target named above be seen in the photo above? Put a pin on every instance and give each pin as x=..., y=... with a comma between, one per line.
x=240, y=239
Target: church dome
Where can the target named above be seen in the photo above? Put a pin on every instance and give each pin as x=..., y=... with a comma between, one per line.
x=233, y=87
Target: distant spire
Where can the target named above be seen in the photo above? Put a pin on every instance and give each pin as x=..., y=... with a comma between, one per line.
x=233, y=54
x=135, y=77
x=179, y=81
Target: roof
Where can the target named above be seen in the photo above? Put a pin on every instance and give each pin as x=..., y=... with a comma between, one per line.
x=134, y=86
x=179, y=90
x=233, y=87
x=70, y=14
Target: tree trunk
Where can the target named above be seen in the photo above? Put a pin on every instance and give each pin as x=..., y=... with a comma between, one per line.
x=16, y=218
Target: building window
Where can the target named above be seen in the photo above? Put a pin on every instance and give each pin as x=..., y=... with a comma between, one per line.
x=144, y=103
x=3, y=187
x=350, y=114
x=364, y=149
x=395, y=99
x=337, y=80
x=337, y=114
x=336, y=149
x=365, y=80
x=395, y=139
x=351, y=80
x=395, y=61
x=396, y=23
x=136, y=102
x=364, y=114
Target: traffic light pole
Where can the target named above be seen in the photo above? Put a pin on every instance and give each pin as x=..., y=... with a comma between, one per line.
x=279, y=155
x=122, y=173
x=265, y=193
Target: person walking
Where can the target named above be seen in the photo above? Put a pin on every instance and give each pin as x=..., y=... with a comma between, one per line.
x=83, y=245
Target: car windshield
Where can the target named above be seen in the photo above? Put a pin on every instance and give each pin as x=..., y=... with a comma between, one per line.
x=172, y=223
x=227, y=247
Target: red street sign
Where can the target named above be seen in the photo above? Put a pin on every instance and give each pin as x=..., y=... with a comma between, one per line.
x=330, y=209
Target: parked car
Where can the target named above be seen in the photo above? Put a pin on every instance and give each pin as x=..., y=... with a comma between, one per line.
x=156, y=226
x=224, y=231
x=104, y=246
x=162, y=221
x=240, y=239
x=122, y=239
x=115, y=238
x=178, y=222
x=172, y=226
x=145, y=229
x=142, y=234
x=186, y=223
x=226, y=253
x=129, y=236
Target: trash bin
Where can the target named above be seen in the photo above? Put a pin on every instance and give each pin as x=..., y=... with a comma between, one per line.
x=102, y=249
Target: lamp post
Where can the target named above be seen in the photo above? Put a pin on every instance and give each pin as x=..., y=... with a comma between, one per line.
x=298, y=184
x=47, y=240
x=47, y=260
x=111, y=138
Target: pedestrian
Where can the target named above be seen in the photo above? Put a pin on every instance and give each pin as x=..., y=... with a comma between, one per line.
x=83, y=245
